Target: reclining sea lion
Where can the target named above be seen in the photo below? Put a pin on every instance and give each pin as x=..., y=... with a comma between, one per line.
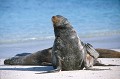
x=42, y=57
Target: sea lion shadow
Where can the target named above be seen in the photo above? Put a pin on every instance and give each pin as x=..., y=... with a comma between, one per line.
x=97, y=69
x=41, y=68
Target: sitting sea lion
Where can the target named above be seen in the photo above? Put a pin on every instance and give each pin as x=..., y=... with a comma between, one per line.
x=68, y=52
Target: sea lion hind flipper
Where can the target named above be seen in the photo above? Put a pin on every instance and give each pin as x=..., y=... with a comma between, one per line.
x=91, y=51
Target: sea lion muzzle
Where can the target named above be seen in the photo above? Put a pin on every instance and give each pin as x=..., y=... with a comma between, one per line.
x=55, y=20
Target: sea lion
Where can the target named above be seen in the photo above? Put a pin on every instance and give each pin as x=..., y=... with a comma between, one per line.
x=42, y=57
x=108, y=53
x=68, y=52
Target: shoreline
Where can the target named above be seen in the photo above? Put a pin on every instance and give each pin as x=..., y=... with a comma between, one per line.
x=10, y=50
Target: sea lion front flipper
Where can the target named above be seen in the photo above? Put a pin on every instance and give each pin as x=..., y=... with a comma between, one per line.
x=51, y=71
x=58, y=67
x=91, y=51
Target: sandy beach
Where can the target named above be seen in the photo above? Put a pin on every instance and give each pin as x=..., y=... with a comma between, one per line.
x=29, y=72
x=32, y=72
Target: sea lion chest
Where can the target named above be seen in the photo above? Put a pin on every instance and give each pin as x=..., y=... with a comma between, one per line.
x=67, y=47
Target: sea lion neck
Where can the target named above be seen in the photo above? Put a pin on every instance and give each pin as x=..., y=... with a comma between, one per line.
x=60, y=31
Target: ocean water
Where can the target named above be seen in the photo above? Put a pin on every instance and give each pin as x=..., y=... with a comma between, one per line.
x=30, y=20
x=24, y=20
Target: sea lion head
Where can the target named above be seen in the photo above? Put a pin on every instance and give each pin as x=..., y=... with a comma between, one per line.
x=59, y=21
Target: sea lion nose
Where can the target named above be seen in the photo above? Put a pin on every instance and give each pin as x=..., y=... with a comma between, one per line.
x=54, y=19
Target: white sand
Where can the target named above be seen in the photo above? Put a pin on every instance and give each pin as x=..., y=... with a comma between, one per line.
x=29, y=72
